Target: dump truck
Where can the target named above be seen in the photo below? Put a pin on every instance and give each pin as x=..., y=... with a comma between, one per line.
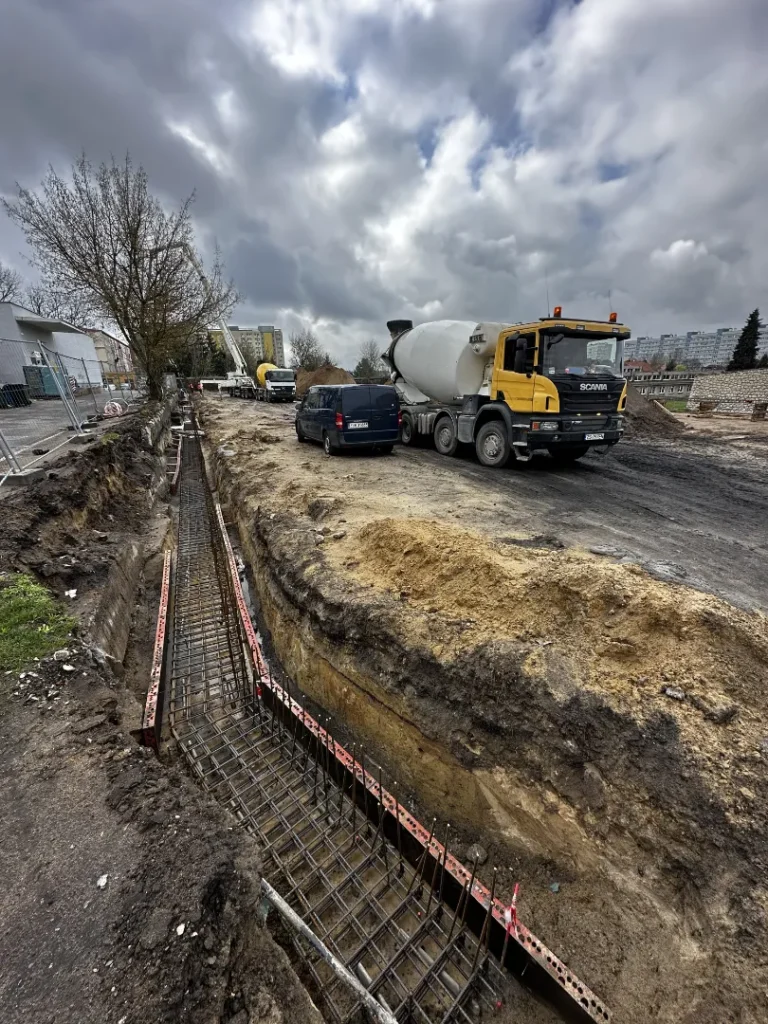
x=555, y=385
x=275, y=383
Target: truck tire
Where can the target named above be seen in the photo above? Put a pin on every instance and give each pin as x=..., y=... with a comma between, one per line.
x=567, y=455
x=446, y=440
x=408, y=434
x=492, y=444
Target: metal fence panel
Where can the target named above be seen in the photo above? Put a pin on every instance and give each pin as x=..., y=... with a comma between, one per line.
x=44, y=405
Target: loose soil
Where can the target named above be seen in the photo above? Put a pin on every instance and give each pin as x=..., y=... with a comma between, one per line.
x=126, y=894
x=596, y=723
x=646, y=418
x=324, y=375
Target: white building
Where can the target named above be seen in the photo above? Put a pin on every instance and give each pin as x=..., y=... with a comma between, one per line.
x=27, y=339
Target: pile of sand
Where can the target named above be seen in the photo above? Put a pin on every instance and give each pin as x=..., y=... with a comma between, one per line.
x=305, y=379
x=614, y=627
x=647, y=418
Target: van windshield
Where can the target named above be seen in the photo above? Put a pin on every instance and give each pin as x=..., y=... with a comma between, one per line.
x=576, y=354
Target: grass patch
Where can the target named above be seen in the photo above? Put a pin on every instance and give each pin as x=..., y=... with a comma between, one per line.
x=110, y=437
x=32, y=622
x=676, y=404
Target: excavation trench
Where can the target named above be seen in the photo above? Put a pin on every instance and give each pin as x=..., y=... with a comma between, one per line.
x=517, y=692
x=416, y=927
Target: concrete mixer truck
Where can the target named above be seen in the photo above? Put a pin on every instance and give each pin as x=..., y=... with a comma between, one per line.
x=275, y=383
x=555, y=385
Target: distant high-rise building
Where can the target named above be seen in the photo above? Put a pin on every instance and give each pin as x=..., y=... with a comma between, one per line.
x=248, y=340
x=272, y=339
x=705, y=348
x=279, y=347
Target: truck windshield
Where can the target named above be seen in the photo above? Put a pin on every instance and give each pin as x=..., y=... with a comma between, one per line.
x=582, y=356
x=279, y=375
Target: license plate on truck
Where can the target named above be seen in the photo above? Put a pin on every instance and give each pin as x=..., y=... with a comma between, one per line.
x=594, y=437
x=359, y=425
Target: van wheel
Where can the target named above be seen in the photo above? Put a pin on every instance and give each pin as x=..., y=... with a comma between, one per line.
x=407, y=433
x=300, y=435
x=328, y=448
x=446, y=441
x=492, y=444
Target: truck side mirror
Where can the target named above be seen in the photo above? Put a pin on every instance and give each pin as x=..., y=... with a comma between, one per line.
x=520, y=352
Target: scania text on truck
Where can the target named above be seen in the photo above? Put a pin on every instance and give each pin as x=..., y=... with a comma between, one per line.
x=275, y=383
x=555, y=385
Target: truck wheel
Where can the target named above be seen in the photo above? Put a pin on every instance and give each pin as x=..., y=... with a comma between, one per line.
x=569, y=454
x=445, y=436
x=407, y=433
x=492, y=444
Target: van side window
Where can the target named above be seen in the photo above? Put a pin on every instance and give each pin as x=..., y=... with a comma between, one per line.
x=328, y=399
x=313, y=402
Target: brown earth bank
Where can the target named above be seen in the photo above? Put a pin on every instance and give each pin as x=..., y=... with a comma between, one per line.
x=306, y=379
x=603, y=732
x=126, y=894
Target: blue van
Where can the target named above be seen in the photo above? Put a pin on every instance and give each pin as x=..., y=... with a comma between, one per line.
x=350, y=416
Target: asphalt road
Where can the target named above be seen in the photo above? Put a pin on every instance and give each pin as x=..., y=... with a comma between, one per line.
x=693, y=511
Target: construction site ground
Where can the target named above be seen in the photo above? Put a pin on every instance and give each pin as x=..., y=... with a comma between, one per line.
x=500, y=641
x=567, y=664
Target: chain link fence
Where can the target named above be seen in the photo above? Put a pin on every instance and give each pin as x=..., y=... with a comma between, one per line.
x=49, y=398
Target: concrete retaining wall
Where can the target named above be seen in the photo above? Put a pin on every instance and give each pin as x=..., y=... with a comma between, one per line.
x=733, y=393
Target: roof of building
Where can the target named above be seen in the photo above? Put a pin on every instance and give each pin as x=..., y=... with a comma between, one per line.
x=100, y=330
x=45, y=323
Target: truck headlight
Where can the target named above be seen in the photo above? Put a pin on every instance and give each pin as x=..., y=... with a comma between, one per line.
x=549, y=425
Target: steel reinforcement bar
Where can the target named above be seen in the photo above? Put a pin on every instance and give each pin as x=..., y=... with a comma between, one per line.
x=376, y=888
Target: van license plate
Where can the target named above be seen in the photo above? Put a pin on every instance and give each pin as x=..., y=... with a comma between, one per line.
x=594, y=437
x=360, y=425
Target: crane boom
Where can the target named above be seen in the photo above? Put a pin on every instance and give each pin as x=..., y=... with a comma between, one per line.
x=240, y=376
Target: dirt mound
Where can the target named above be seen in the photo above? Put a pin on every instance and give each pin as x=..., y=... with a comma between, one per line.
x=615, y=629
x=305, y=379
x=647, y=419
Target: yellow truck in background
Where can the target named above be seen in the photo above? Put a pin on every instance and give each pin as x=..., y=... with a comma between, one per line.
x=555, y=385
x=275, y=383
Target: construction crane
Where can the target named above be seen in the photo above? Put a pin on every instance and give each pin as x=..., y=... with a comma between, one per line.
x=238, y=381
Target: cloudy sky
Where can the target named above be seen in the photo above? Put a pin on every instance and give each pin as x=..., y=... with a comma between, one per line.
x=359, y=160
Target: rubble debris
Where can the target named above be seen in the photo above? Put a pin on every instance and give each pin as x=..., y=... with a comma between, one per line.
x=477, y=853
x=101, y=882
x=674, y=692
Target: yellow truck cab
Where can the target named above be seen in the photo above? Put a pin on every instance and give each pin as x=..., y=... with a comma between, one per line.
x=555, y=385
x=561, y=383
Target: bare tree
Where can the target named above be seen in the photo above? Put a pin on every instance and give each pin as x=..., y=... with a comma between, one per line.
x=369, y=364
x=10, y=284
x=306, y=353
x=76, y=309
x=104, y=238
